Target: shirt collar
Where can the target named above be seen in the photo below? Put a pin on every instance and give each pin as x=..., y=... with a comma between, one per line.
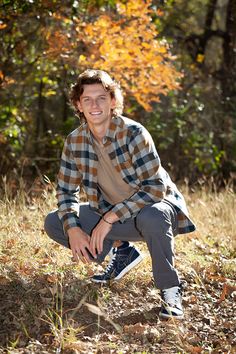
x=89, y=134
x=111, y=131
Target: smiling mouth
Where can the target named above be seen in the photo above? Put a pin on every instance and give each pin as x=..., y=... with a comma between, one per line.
x=96, y=113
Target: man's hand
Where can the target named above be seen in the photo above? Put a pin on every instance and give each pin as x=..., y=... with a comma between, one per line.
x=101, y=231
x=98, y=235
x=79, y=244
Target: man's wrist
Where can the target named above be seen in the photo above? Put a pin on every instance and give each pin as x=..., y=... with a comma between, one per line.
x=108, y=222
x=75, y=230
x=110, y=217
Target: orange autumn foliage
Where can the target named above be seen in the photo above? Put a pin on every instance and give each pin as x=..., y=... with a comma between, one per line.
x=125, y=43
x=127, y=46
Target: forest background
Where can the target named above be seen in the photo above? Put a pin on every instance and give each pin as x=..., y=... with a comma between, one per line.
x=175, y=61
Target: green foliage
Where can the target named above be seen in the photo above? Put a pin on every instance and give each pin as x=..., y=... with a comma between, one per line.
x=11, y=129
x=207, y=155
x=203, y=115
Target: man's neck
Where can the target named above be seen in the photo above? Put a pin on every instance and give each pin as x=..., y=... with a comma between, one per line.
x=98, y=135
x=99, y=131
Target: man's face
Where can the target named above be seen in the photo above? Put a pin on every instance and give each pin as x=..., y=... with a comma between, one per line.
x=96, y=104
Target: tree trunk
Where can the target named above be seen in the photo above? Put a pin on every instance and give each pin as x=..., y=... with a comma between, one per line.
x=228, y=86
x=64, y=96
x=39, y=116
x=229, y=47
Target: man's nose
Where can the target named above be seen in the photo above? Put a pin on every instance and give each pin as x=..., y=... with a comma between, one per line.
x=95, y=103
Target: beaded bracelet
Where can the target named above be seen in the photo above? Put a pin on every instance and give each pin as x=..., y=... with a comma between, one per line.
x=110, y=223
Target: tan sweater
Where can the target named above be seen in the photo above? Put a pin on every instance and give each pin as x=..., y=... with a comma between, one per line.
x=110, y=182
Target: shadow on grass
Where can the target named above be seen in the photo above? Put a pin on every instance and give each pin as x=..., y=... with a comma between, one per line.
x=37, y=309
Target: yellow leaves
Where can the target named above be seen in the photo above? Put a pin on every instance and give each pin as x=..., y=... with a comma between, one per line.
x=88, y=30
x=160, y=13
x=162, y=50
x=82, y=58
x=5, y=80
x=200, y=58
x=58, y=43
x=49, y=93
x=2, y=25
x=103, y=21
x=146, y=45
x=101, y=26
x=1, y=76
x=120, y=41
x=134, y=8
x=58, y=16
x=127, y=46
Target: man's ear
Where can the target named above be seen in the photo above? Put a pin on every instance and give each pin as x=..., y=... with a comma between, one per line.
x=79, y=106
x=113, y=103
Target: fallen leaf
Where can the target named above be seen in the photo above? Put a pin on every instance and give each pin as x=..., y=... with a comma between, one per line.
x=227, y=290
x=94, y=309
x=52, y=278
x=137, y=328
x=3, y=280
x=196, y=349
x=10, y=243
x=216, y=277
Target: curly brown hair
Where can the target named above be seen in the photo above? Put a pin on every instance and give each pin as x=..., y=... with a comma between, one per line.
x=92, y=76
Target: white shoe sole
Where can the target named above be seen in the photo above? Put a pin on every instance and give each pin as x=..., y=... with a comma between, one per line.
x=168, y=315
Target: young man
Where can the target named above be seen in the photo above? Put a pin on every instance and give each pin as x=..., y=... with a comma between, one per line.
x=130, y=195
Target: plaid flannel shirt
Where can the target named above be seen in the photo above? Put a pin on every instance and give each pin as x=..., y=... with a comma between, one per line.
x=133, y=154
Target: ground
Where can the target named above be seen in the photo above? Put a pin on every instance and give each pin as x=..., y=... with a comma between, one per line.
x=49, y=305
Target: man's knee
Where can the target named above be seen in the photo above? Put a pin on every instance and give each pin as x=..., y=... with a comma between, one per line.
x=54, y=229
x=49, y=224
x=152, y=219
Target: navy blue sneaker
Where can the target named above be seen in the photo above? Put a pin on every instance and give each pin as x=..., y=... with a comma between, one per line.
x=122, y=261
x=172, y=303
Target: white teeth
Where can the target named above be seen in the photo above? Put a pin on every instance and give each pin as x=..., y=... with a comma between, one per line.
x=95, y=113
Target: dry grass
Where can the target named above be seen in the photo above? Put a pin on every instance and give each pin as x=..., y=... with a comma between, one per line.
x=48, y=305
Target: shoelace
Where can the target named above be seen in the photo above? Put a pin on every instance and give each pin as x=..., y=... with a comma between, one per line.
x=171, y=295
x=111, y=263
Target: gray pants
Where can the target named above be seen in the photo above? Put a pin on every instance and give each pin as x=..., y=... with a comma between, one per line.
x=155, y=224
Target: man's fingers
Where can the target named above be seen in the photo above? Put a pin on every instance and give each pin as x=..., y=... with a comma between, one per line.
x=93, y=246
x=96, y=245
x=100, y=244
x=78, y=255
x=86, y=255
x=75, y=256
